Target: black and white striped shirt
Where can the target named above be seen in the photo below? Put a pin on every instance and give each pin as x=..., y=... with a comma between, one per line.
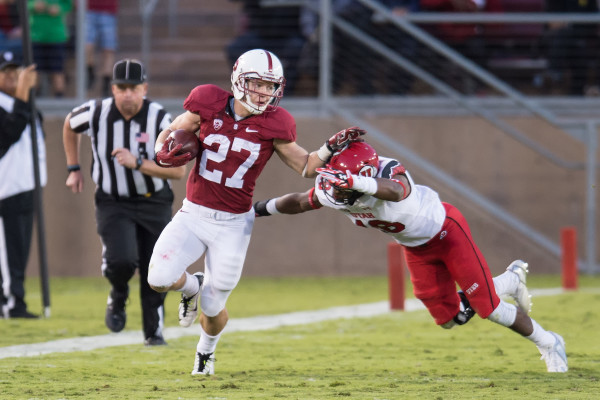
x=104, y=124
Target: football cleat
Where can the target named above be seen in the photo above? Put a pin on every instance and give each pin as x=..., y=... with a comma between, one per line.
x=204, y=364
x=521, y=293
x=116, y=317
x=156, y=340
x=188, y=307
x=555, y=355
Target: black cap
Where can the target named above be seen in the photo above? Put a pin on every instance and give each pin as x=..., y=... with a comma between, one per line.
x=128, y=71
x=8, y=59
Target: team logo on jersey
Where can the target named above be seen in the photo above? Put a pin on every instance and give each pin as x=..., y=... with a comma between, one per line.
x=217, y=124
x=443, y=234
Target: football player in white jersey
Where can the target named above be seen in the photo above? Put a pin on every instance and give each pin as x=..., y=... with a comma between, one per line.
x=377, y=192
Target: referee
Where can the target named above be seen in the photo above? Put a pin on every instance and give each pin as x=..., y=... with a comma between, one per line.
x=133, y=196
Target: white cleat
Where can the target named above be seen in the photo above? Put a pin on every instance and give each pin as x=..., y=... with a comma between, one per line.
x=204, y=364
x=521, y=294
x=555, y=355
x=188, y=307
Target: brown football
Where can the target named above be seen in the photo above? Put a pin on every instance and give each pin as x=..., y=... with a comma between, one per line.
x=189, y=140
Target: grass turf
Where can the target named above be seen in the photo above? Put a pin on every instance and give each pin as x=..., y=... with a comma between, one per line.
x=394, y=356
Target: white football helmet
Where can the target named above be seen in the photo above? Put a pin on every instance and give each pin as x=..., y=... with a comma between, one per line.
x=257, y=64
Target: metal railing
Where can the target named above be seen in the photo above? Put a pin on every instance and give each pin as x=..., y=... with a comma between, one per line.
x=582, y=128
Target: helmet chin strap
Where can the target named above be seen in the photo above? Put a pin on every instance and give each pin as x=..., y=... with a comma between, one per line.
x=248, y=105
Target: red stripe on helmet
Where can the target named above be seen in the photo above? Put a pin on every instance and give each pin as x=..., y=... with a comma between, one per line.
x=269, y=60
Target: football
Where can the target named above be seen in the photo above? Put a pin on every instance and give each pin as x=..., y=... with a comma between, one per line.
x=189, y=140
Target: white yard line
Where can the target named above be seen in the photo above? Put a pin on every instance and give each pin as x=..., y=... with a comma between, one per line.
x=258, y=323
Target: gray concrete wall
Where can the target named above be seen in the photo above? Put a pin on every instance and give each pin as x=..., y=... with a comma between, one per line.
x=324, y=242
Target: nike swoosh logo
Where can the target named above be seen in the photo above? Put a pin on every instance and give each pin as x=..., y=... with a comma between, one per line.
x=250, y=130
x=164, y=163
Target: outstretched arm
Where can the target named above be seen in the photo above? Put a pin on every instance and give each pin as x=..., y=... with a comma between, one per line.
x=297, y=158
x=291, y=203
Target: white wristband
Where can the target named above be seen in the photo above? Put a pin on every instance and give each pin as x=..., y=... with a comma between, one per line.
x=271, y=208
x=324, y=153
x=364, y=184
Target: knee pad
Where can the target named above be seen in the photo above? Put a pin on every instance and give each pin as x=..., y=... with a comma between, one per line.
x=160, y=278
x=213, y=300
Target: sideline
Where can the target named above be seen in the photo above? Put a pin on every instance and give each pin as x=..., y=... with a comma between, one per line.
x=258, y=323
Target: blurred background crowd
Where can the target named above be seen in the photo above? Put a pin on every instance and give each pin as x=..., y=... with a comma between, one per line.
x=188, y=42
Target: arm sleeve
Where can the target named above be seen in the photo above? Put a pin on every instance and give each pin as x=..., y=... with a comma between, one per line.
x=13, y=124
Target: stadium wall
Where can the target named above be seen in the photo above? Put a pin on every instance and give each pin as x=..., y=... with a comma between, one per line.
x=324, y=242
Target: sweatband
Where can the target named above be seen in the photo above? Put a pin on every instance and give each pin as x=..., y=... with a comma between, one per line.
x=364, y=184
x=311, y=202
x=271, y=208
x=324, y=153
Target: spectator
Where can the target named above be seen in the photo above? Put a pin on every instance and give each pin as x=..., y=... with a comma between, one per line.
x=466, y=39
x=10, y=29
x=133, y=195
x=49, y=37
x=570, y=46
x=101, y=29
x=393, y=78
x=350, y=76
x=276, y=29
x=17, y=181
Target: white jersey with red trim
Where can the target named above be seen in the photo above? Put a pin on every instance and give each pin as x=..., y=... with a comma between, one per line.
x=411, y=221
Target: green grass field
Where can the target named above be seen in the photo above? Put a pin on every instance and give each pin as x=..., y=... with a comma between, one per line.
x=400, y=355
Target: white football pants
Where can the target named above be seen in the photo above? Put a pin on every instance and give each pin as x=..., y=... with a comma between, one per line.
x=194, y=231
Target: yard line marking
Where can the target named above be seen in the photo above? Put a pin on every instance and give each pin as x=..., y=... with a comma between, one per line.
x=257, y=323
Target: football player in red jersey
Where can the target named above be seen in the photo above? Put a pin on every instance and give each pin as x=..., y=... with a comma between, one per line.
x=239, y=132
x=378, y=192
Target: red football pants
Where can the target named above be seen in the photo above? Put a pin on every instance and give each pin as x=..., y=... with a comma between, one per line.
x=451, y=258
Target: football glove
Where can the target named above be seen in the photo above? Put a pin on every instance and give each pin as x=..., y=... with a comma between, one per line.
x=338, y=141
x=343, y=137
x=169, y=158
x=347, y=181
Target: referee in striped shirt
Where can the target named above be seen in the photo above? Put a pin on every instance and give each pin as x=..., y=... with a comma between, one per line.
x=133, y=196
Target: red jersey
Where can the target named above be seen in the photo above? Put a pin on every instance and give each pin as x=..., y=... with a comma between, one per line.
x=233, y=153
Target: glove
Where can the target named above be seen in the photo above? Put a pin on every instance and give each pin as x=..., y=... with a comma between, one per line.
x=345, y=180
x=338, y=141
x=170, y=158
x=336, y=177
x=343, y=137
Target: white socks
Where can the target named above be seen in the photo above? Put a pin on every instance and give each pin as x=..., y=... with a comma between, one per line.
x=540, y=336
x=506, y=283
x=207, y=344
x=505, y=314
x=191, y=286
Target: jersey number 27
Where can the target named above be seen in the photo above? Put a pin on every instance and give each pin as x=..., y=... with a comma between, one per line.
x=224, y=145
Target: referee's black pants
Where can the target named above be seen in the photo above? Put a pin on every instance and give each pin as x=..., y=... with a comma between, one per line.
x=129, y=228
x=16, y=227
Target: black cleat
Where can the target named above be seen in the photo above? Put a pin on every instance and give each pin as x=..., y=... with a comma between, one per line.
x=22, y=314
x=156, y=340
x=116, y=317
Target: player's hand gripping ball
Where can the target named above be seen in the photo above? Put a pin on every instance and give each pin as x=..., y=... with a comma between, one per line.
x=180, y=147
x=189, y=142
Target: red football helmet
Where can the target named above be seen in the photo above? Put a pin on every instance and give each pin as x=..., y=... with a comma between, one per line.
x=358, y=158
